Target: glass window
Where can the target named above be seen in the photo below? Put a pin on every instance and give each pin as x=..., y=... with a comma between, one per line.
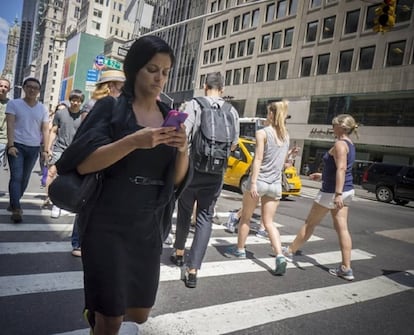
x=209, y=32
x=246, y=21
x=351, y=22
x=240, y=50
x=236, y=23
x=345, y=60
x=260, y=73
x=202, y=80
x=224, y=28
x=213, y=54
x=270, y=12
x=288, y=37
x=315, y=3
x=293, y=7
x=217, y=30
x=237, y=77
x=276, y=40
x=366, y=58
x=328, y=27
x=281, y=9
x=403, y=10
x=311, y=31
x=265, y=43
x=228, y=78
x=283, y=69
x=395, y=53
x=246, y=75
x=305, y=70
x=323, y=63
x=205, y=58
x=271, y=71
x=220, y=53
x=250, y=46
x=255, y=17
x=369, y=20
x=232, y=51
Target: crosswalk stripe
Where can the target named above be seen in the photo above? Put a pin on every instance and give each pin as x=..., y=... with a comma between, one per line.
x=32, y=212
x=53, y=227
x=12, y=248
x=239, y=315
x=72, y=280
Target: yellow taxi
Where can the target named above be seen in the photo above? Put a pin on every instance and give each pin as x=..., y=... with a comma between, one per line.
x=238, y=168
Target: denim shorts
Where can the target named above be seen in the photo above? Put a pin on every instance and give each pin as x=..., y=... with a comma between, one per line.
x=273, y=190
x=327, y=199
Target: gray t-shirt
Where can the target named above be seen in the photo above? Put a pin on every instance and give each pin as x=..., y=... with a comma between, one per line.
x=67, y=123
x=274, y=157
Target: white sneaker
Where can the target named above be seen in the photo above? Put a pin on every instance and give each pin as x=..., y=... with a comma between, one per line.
x=64, y=212
x=55, y=212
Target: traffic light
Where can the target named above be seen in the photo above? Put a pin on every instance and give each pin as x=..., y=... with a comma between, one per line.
x=385, y=16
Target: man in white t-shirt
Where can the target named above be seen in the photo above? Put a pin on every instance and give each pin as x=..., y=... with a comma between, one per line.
x=4, y=90
x=27, y=122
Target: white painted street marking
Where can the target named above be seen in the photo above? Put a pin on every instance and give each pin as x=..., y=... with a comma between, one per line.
x=73, y=280
x=239, y=315
x=54, y=227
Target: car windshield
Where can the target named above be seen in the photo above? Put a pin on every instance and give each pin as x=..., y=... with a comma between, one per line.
x=251, y=147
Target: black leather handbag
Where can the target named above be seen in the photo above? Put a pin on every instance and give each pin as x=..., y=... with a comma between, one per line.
x=72, y=191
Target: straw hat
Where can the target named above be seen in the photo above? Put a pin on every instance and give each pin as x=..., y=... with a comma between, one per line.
x=111, y=75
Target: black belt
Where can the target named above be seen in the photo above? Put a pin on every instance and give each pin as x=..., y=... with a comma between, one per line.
x=139, y=180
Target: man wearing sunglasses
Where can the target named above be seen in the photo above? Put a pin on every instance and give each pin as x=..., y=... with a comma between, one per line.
x=27, y=122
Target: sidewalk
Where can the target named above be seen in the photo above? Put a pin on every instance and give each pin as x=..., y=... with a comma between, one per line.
x=359, y=191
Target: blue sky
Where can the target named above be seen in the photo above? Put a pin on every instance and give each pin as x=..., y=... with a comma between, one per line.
x=7, y=14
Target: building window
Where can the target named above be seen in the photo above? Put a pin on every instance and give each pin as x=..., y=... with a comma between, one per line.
x=250, y=46
x=305, y=70
x=236, y=23
x=202, y=81
x=227, y=80
x=315, y=3
x=265, y=43
x=288, y=37
x=366, y=58
x=232, y=51
x=224, y=28
x=403, y=10
x=276, y=40
x=369, y=20
x=328, y=27
x=220, y=54
x=260, y=73
x=96, y=25
x=271, y=71
x=281, y=9
x=246, y=21
x=283, y=69
x=323, y=64
x=246, y=75
x=213, y=54
x=237, y=77
x=205, y=58
x=351, y=22
x=209, y=33
x=270, y=12
x=311, y=31
x=395, y=53
x=255, y=18
x=97, y=13
x=345, y=60
x=216, y=30
x=240, y=49
x=293, y=7
x=118, y=20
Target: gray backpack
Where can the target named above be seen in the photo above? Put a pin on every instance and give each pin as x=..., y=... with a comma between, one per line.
x=211, y=143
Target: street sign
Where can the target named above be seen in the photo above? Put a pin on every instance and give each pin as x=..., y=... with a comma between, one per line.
x=122, y=51
x=113, y=64
x=92, y=75
x=99, y=62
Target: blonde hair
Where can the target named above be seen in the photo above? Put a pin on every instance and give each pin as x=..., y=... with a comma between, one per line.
x=346, y=122
x=101, y=91
x=278, y=118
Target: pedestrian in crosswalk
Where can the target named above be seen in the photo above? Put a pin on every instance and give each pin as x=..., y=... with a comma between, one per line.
x=265, y=182
x=335, y=195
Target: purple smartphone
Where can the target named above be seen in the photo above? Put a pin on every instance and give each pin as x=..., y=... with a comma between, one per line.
x=174, y=119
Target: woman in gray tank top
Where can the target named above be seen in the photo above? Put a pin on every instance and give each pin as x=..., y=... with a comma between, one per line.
x=265, y=182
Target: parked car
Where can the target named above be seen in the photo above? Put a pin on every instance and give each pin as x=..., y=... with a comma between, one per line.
x=238, y=168
x=390, y=182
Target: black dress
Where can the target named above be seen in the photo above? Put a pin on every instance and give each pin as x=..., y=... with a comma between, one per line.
x=123, y=229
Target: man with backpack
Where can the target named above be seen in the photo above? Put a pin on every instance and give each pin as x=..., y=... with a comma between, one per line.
x=213, y=129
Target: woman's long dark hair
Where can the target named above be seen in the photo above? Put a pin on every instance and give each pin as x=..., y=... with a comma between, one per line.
x=140, y=53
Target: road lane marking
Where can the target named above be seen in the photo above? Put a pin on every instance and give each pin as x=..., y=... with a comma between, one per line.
x=41, y=227
x=73, y=280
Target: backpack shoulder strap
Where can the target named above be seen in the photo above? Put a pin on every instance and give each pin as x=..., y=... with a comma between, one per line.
x=203, y=102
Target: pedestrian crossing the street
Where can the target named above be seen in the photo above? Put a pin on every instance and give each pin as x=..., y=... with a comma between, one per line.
x=220, y=313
